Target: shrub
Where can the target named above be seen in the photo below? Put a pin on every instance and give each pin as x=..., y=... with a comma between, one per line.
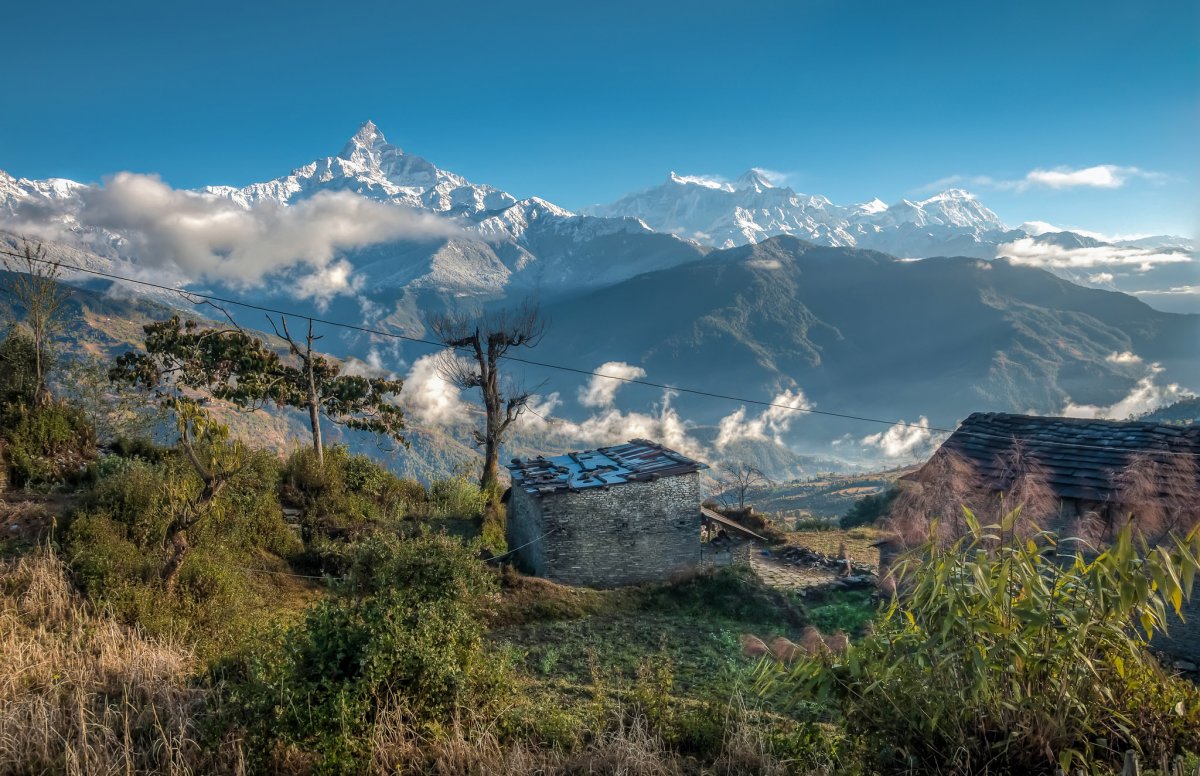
x=456, y=497
x=116, y=546
x=18, y=375
x=1002, y=658
x=869, y=509
x=349, y=494
x=49, y=444
x=402, y=636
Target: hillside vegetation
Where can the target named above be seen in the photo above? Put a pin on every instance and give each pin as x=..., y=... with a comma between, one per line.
x=186, y=601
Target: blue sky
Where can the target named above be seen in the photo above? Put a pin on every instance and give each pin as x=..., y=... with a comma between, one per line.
x=580, y=103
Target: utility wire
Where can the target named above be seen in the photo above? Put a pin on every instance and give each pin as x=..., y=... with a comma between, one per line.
x=495, y=558
x=562, y=368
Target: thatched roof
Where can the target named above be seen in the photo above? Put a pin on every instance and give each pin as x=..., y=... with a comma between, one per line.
x=1077, y=458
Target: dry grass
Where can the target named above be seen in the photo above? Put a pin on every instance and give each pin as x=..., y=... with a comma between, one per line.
x=630, y=748
x=83, y=695
x=80, y=694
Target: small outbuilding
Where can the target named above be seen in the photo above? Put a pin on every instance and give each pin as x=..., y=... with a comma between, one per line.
x=606, y=517
x=1094, y=469
x=1083, y=462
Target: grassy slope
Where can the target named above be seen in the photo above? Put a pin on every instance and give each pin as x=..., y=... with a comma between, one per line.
x=561, y=634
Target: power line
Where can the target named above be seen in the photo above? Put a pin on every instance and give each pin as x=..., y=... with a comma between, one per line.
x=186, y=294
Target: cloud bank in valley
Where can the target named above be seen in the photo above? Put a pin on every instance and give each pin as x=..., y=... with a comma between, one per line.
x=1029, y=252
x=207, y=237
x=1146, y=395
x=771, y=424
x=429, y=397
x=601, y=389
x=900, y=439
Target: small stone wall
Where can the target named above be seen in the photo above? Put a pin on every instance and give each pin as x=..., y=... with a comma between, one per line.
x=623, y=534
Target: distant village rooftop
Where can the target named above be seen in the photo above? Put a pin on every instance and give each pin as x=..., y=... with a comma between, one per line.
x=638, y=460
x=1079, y=457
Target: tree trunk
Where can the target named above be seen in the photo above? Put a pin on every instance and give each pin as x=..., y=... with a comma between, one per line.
x=314, y=402
x=490, y=480
x=314, y=418
x=179, y=549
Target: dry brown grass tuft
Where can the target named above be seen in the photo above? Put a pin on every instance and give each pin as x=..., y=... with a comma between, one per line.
x=80, y=694
x=753, y=646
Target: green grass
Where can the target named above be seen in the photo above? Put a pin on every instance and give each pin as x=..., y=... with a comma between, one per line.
x=848, y=611
x=695, y=624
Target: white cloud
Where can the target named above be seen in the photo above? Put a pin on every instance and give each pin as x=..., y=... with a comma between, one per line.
x=1103, y=278
x=1173, y=291
x=1099, y=176
x=1028, y=251
x=1125, y=357
x=601, y=391
x=207, y=237
x=771, y=424
x=663, y=424
x=327, y=282
x=429, y=397
x=1146, y=395
x=901, y=438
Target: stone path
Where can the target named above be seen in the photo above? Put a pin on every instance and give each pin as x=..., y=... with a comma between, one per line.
x=785, y=576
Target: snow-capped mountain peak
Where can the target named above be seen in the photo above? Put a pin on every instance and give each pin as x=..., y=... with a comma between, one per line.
x=753, y=209
x=368, y=146
x=876, y=205
x=753, y=179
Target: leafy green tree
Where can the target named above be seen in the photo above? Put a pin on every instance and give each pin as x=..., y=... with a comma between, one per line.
x=869, y=509
x=182, y=358
x=318, y=386
x=235, y=366
x=18, y=371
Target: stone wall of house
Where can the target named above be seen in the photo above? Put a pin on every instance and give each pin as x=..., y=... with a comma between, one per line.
x=624, y=534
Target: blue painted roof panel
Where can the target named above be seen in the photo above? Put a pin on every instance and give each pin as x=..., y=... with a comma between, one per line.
x=638, y=460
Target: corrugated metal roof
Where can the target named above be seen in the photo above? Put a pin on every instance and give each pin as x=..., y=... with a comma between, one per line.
x=638, y=460
x=1080, y=457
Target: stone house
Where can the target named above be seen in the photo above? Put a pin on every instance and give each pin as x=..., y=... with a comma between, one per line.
x=1084, y=463
x=613, y=516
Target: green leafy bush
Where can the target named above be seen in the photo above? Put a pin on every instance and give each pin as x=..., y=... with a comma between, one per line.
x=349, y=494
x=48, y=444
x=18, y=373
x=1001, y=657
x=116, y=548
x=869, y=509
x=403, y=635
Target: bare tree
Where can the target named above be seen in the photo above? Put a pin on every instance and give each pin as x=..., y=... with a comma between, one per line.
x=478, y=342
x=739, y=478
x=33, y=282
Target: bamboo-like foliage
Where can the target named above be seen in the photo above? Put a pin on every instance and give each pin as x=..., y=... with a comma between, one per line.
x=1003, y=657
